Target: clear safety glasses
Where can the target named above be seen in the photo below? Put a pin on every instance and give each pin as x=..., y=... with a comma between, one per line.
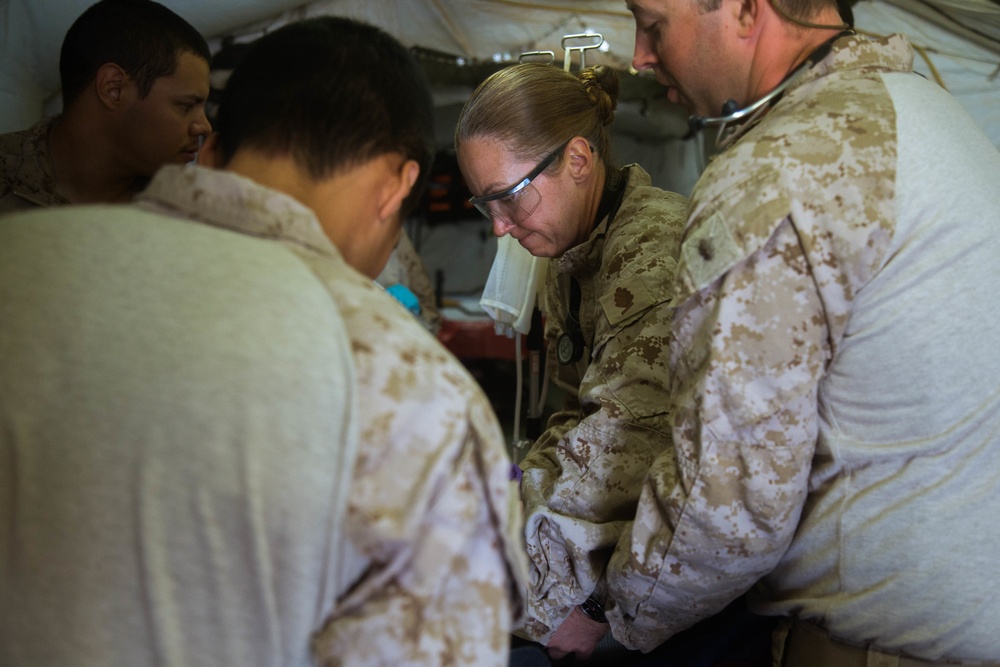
x=520, y=200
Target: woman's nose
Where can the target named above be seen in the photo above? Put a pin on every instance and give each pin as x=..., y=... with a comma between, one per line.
x=501, y=227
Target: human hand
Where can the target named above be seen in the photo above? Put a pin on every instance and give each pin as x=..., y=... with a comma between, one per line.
x=578, y=634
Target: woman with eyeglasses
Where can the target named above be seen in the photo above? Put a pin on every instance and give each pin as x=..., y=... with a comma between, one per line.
x=533, y=144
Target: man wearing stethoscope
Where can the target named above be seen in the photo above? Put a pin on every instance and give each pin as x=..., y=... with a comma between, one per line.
x=835, y=399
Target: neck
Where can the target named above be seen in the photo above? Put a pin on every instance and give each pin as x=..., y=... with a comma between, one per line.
x=277, y=172
x=84, y=165
x=784, y=46
x=611, y=197
x=590, y=219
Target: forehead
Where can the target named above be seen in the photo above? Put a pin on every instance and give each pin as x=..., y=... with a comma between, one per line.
x=489, y=165
x=639, y=7
x=646, y=9
x=191, y=77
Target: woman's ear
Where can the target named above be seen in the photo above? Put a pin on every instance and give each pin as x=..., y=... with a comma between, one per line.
x=397, y=189
x=210, y=154
x=580, y=158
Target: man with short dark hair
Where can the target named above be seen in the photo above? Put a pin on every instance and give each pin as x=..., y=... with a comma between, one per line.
x=221, y=443
x=836, y=414
x=135, y=78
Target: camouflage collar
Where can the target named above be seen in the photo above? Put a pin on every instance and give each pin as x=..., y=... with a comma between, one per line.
x=224, y=199
x=858, y=52
x=586, y=256
x=851, y=52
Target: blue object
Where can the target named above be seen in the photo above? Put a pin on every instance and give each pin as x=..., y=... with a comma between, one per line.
x=403, y=295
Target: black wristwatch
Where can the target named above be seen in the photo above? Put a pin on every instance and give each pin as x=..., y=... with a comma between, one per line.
x=594, y=610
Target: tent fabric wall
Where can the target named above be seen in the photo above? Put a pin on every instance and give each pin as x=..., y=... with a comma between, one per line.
x=484, y=30
x=26, y=68
x=969, y=70
x=494, y=30
x=32, y=32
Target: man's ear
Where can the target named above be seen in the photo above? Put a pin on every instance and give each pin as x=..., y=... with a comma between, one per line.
x=396, y=189
x=580, y=158
x=746, y=13
x=109, y=84
x=210, y=154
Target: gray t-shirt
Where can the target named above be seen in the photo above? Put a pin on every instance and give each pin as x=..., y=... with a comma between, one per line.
x=176, y=443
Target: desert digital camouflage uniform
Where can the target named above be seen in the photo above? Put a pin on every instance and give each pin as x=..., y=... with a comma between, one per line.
x=406, y=268
x=582, y=477
x=834, y=375
x=27, y=179
x=435, y=563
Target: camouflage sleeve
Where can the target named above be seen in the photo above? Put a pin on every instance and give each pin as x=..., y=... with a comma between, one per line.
x=582, y=478
x=419, y=282
x=749, y=347
x=439, y=588
x=433, y=510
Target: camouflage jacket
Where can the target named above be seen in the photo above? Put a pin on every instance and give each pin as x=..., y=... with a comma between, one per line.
x=582, y=477
x=27, y=178
x=804, y=420
x=435, y=563
x=405, y=267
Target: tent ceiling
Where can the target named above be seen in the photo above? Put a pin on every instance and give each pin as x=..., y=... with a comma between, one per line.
x=461, y=39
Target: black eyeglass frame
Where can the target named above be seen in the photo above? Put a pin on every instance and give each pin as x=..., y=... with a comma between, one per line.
x=520, y=185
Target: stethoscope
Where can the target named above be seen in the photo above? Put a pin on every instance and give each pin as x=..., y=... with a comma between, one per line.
x=732, y=114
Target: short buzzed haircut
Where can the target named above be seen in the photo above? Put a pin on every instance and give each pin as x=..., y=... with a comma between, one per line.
x=331, y=93
x=142, y=37
x=802, y=10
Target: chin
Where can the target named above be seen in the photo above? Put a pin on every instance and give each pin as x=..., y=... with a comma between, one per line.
x=540, y=246
x=538, y=251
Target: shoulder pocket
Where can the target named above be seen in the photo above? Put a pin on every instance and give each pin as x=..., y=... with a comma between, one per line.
x=633, y=296
x=728, y=229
